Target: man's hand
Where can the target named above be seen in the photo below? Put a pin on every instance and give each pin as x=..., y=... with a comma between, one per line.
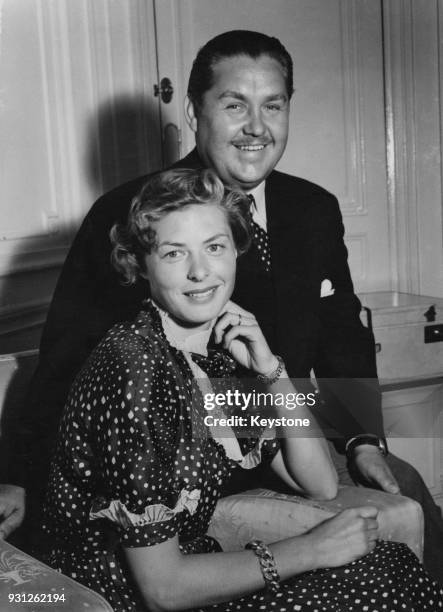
x=368, y=467
x=12, y=509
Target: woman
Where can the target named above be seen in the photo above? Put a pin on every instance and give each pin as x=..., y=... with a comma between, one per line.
x=134, y=481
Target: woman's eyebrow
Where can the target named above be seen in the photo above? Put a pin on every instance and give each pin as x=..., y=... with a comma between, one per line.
x=168, y=243
x=183, y=244
x=216, y=236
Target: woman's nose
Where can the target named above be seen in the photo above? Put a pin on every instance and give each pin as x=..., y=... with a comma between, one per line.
x=198, y=268
x=255, y=125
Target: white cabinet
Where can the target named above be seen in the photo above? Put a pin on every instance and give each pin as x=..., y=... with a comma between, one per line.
x=411, y=375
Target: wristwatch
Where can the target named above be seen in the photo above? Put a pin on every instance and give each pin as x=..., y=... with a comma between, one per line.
x=371, y=439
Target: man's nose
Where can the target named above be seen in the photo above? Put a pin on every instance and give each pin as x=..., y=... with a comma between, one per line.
x=198, y=268
x=255, y=124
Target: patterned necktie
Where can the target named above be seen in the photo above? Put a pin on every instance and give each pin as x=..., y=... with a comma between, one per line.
x=260, y=239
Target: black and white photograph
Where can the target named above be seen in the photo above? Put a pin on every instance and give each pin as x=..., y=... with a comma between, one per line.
x=221, y=305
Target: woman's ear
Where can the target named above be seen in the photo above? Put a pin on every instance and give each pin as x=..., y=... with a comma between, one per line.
x=191, y=117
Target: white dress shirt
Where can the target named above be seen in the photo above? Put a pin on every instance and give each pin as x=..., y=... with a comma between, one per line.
x=259, y=210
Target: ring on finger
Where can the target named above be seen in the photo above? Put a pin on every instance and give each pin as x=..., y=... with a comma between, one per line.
x=239, y=318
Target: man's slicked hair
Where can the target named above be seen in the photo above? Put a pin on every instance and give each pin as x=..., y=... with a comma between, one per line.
x=233, y=44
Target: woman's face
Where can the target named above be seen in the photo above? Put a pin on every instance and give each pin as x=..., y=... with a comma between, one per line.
x=191, y=268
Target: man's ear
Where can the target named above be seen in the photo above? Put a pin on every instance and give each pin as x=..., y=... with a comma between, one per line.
x=191, y=117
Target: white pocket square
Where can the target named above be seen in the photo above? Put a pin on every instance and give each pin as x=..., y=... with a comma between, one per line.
x=326, y=288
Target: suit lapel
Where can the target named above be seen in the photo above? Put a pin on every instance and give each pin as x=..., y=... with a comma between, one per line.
x=289, y=227
x=294, y=294
x=284, y=219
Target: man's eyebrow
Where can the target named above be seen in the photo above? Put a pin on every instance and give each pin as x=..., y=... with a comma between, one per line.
x=230, y=93
x=273, y=97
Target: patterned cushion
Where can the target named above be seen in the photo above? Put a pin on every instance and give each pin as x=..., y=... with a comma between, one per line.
x=271, y=516
x=26, y=584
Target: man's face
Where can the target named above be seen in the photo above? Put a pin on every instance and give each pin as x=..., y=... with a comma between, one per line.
x=241, y=129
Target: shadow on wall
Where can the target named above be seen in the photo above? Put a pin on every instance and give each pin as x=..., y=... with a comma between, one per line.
x=122, y=142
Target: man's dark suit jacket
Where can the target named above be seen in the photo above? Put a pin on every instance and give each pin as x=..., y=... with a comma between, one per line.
x=306, y=237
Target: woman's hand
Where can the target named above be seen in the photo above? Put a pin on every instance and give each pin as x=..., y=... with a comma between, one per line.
x=348, y=536
x=192, y=581
x=239, y=333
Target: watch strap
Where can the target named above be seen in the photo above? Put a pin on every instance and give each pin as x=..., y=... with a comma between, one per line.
x=371, y=439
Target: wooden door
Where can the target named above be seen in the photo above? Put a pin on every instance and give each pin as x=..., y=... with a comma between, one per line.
x=337, y=136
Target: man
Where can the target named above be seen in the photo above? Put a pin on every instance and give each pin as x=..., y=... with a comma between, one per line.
x=238, y=107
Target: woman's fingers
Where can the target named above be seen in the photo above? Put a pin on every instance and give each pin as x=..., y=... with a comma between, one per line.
x=231, y=320
x=369, y=515
x=371, y=524
x=371, y=532
x=240, y=334
x=235, y=308
x=244, y=330
x=367, y=511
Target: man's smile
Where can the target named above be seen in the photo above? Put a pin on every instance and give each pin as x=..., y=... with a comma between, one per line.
x=250, y=147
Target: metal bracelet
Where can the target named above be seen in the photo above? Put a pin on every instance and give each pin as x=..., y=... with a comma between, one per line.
x=271, y=378
x=267, y=564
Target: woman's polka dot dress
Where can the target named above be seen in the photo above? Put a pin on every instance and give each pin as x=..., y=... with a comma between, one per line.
x=129, y=471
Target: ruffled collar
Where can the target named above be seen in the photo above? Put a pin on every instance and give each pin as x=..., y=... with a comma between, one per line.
x=214, y=361
x=194, y=342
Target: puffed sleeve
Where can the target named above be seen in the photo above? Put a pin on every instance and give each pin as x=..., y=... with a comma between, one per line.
x=131, y=411
x=257, y=451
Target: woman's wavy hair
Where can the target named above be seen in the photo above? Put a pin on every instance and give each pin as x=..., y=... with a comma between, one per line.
x=167, y=192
